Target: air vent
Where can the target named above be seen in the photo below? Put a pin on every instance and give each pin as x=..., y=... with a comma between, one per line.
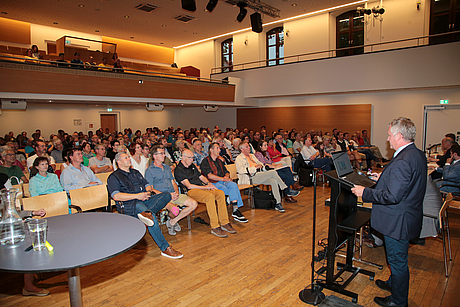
x=184, y=18
x=146, y=7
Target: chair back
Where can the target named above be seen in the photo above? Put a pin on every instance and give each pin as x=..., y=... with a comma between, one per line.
x=90, y=198
x=54, y=204
x=231, y=168
x=103, y=176
x=442, y=211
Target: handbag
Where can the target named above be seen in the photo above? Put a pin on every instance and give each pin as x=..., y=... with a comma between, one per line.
x=306, y=176
x=264, y=199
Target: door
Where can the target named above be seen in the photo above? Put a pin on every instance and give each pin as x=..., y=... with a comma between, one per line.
x=109, y=121
x=445, y=18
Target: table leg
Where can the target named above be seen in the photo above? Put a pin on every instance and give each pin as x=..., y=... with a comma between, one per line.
x=73, y=276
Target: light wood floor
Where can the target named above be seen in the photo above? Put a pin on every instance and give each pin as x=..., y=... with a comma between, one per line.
x=266, y=263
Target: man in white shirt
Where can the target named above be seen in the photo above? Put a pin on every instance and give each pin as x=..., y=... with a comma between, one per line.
x=311, y=155
x=297, y=146
x=40, y=151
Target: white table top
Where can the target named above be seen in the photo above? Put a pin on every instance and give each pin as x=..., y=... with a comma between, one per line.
x=78, y=239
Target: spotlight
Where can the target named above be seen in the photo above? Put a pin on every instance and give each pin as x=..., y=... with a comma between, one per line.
x=377, y=10
x=242, y=12
x=189, y=5
x=211, y=5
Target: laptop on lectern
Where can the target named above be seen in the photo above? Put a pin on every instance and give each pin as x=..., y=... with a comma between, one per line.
x=345, y=171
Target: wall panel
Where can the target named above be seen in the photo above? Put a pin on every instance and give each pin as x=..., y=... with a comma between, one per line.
x=14, y=31
x=349, y=118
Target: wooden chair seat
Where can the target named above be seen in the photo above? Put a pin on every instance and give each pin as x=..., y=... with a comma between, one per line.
x=90, y=198
x=54, y=204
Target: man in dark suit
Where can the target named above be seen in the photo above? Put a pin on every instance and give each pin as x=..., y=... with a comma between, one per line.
x=398, y=207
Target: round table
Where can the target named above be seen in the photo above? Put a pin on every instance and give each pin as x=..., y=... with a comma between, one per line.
x=78, y=239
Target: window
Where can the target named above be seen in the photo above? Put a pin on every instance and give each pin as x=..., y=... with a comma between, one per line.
x=350, y=33
x=445, y=16
x=227, y=55
x=275, y=46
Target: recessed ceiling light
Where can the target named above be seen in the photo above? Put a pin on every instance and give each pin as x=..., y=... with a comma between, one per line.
x=195, y=33
x=4, y=13
x=55, y=23
x=81, y=5
x=163, y=26
x=162, y=43
x=96, y=30
x=294, y=4
x=97, y=10
x=131, y=37
x=126, y=16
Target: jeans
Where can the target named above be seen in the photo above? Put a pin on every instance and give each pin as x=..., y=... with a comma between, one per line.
x=286, y=175
x=154, y=204
x=231, y=190
x=324, y=163
x=397, y=252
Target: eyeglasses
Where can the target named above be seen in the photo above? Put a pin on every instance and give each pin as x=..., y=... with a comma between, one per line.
x=188, y=157
x=160, y=153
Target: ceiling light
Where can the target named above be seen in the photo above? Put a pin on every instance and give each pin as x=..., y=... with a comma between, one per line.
x=55, y=23
x=242, y=12
x=81, y=5
x=126, y=16
x=211, y=5
x=294, y=4
x=164, y=26
x=4, y=13
x=96, y=30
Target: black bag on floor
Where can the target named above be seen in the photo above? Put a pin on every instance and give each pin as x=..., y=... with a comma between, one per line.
x=305, y=176
x=264, y=199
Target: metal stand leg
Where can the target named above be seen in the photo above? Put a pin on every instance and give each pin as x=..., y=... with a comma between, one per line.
x=73, y=276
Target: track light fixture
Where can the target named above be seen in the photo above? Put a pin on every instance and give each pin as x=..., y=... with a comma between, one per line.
x=211, y=5
x=377, y=10
x=243, y=11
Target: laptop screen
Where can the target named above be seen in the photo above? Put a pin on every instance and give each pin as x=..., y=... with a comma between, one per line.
x=342, y=163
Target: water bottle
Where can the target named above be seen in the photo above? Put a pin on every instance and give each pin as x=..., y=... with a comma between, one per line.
x=11, y=225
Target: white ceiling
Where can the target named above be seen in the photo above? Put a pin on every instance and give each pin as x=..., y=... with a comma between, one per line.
x=157, y=27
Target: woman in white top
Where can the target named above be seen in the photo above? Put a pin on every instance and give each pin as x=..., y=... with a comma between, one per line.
x=138, y=161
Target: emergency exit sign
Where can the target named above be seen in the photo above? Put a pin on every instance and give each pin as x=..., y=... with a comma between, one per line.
x=443, y=101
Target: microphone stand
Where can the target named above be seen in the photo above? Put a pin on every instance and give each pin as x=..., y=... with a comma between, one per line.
x=312, y=293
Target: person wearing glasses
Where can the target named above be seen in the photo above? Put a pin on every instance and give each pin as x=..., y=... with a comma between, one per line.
x=200, y=189
x=160, y=177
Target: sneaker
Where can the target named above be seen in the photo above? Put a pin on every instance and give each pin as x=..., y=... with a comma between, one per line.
x=177, y=227
x=291, y=192
x=239, y=217
x=170, y=228
x=219, y=232
x=146, y=218
x=279, y=208
x=42, y=292
x=228, y=228
x=172, y=253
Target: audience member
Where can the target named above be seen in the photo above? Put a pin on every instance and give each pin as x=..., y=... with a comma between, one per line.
x=311, y=155
x=43, y=182
x=100, y=163
x=13, y=172
x=215, y=171
x=450, y=171
x=133, y=196
x=138, y=161
x=40, y=151
x=200, y=189
x=199, y=154
x=104, y=65
x=76, y=175
x=249, y=168
x=159, y=176
x=276, y=155
x=56, y=154
x=76, y=62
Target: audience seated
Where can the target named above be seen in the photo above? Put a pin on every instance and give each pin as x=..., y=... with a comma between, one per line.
x=446, y=145
x=100, y=163
x=215, y=171
x=199, y=153
x=104, y=65
x=312, y=156
x=12, y=171
x=200, y=189
x=40, y=151
x=76, y=175
x=43, y=182
x=365, y=143
x=56, y=154
x=133, y=196
x=76, y=62
x=138, y=161
x=35, y=53
x=451, y=171
x=159, y=176
x=276, y=155
x=249, y=168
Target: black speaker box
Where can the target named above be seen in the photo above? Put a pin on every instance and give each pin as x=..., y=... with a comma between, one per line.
x=189, y=5
x=256, y=22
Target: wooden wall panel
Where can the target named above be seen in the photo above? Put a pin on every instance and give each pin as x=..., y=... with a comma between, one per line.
x=141, y=51
x=75, y=82
x=348, y=118
x=14, y=31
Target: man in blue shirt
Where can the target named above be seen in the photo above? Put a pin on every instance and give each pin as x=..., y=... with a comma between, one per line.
x=160, y=177
x=76, y=175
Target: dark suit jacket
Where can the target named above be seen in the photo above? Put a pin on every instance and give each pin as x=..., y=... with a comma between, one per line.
x=398, y=195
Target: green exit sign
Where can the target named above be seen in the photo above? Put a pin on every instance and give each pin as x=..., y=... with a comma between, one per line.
x=443, y=101
x=109, y=109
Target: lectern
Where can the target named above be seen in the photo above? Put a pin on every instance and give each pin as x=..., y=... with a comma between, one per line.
x=345, y=219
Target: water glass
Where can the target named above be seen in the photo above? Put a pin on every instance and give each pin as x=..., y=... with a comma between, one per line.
x=38, y=231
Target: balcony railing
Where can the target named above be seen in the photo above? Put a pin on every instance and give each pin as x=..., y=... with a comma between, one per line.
x=326, y=54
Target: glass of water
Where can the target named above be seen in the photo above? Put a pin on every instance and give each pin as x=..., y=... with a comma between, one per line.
x=38, y=230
